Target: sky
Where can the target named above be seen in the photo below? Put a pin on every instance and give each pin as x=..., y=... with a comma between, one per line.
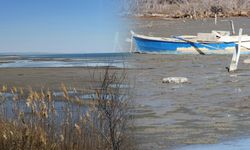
x=59, y=26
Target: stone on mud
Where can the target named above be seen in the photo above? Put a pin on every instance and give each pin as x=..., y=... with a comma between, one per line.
x=176, y=80
x=247, y=61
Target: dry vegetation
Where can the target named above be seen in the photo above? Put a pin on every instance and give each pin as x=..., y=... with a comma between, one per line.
x=41, y=120
x=189, y=8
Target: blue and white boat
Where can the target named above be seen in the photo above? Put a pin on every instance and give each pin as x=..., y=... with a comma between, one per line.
x=217, y=42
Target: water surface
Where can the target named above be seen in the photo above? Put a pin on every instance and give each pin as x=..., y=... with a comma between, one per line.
x=240, y=144
x=63, y=60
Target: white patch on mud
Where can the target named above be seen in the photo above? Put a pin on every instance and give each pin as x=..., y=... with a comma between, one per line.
x=176, y=80
x=247, y=61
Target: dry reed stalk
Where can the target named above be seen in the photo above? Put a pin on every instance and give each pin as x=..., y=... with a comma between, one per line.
x=36, y=120
x=188, y=8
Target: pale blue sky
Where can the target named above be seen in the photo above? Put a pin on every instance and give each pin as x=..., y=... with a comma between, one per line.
x=58, y=26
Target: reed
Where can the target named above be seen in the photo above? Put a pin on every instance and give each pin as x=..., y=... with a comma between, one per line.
x=189, y=8
x=40, y=120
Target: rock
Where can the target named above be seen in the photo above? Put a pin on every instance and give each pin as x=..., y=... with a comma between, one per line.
x=247, y=61
x=176, y=80
x=244, y=13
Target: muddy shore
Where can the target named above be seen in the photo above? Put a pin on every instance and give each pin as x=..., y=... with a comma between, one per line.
x=214, y=106
x=52, y=78
x=167, y=27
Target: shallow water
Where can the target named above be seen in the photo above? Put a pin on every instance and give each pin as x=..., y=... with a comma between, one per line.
x=213, y=106
x=63, y=60
x=240, y=144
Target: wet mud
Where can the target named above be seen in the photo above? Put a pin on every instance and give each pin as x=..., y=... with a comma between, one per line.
x=213, y=106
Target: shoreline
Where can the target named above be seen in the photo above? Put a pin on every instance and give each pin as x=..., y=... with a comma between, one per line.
x=190, y=9
x=177, y=17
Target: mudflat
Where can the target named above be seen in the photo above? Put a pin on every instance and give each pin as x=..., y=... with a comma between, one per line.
x=37, y=78
x=213, y=106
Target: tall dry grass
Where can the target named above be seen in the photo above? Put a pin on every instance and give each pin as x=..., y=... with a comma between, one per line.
x=189, y=8
x=40, y=120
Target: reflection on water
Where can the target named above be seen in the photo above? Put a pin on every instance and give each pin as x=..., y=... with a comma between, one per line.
x=9, y=103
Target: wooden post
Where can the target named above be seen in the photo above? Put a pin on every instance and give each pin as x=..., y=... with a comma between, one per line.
x=215, y=19
x=239, y=45
x=232, y=27
x=236, y=54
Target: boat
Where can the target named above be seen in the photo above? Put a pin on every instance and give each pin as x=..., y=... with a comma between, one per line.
x=216, y=42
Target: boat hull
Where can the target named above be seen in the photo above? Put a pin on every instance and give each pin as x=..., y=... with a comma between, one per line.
x=144, y=45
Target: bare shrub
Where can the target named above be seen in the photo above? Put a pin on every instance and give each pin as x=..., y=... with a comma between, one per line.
x=189, y=8
x=114, y=108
